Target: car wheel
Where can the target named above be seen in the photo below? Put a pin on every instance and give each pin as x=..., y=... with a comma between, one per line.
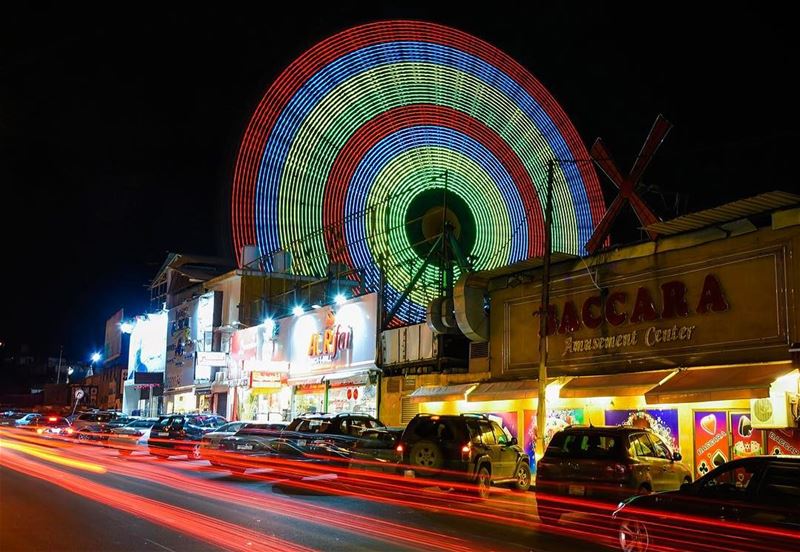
x=522, y=477
x=426, y=454
x=483, y=483
x=633, y=536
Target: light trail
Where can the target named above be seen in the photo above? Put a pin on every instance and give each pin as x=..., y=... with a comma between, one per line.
x=226, y=535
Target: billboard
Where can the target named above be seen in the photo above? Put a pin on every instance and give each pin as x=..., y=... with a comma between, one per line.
x=331, y=338
x=190, y=330
x=147, y=352
x=663, y=421
x=112, y=347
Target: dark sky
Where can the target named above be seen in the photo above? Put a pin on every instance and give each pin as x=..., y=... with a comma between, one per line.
x=120, y=122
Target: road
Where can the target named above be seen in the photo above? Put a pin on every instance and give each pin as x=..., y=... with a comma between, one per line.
x=81, y=497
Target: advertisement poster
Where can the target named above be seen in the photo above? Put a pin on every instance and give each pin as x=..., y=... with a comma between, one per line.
x=557, y=420
x=148, y=341
x=663, y=421
x=507, y=420
x=710, y=440
x=746, y=440
x=783, y=441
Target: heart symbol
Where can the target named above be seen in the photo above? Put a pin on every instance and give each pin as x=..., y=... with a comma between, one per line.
x=709, y=424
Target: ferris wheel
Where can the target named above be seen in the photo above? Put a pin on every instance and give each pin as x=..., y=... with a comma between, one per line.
x=373, y=140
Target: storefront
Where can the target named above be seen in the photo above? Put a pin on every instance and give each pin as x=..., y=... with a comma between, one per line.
x=259, y=371
x=144, y=381
x=332, y=357
x=690, y=336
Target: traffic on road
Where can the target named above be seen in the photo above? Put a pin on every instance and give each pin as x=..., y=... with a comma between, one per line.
x=595, y=487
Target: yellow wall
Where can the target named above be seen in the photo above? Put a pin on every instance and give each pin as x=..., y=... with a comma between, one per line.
x=594, y=412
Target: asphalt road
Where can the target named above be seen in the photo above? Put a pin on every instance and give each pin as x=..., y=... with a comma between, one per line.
x=78, y=497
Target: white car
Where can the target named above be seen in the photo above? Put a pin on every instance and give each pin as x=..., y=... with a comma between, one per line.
x=129, y=437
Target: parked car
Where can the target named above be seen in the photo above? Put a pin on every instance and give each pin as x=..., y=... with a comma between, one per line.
x=13, y=419
x=467, y=448
x=100, y=419
x=50, y=426
x=179, y=434
x=130, y=436
x=750, y=503
x=606, y=462
x=316, y=436
x=342, y=430
x=211, y=440
x=282, y=456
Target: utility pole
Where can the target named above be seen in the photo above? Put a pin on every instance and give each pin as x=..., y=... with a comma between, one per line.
x=58, y=376
x=541, y=409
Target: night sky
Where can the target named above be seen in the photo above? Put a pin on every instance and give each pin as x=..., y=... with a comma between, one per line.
x=120, y=123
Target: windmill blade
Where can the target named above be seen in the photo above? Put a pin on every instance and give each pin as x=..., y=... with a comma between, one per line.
x=657, y=134
x=602, y=157
x=603, y=228
x=644, y=214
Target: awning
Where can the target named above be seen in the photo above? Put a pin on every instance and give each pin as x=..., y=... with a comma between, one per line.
x=433, y=393
x=612, y=385
x=308, y=380
x=720, y=383
x=504, y=390
x=349, y=377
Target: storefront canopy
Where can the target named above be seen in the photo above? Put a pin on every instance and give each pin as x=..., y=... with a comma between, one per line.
x=504, y=390
x=432, y=393
x=612, y=385
x=741, y=381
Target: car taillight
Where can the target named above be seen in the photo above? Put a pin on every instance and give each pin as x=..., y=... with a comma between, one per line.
x=620, y=469
x=52, y=419
x=40, y=430
x=69, y=431
x=466, y=452
x=399, y=450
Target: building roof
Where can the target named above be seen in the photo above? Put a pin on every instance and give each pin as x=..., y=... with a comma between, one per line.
x=728, y=212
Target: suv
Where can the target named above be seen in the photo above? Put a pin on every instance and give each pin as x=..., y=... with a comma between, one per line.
x=608, y=462
x=178, y=434
x=464, y=447
x=342, y=430
x=747, y=504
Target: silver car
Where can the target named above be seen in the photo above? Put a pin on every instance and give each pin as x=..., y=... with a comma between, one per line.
x=129, y=437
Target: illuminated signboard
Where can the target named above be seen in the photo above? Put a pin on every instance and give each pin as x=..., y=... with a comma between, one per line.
x=148, y=342
x=190, y=331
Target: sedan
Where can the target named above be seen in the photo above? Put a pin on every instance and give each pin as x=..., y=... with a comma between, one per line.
x=746, y=504
x=128, y=437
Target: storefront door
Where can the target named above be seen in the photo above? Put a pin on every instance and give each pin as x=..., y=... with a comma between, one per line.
x=723, y=435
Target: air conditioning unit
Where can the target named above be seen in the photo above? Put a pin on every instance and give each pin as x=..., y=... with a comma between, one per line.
x=771, y=412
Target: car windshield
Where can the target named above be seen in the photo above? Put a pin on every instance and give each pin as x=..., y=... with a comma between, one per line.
x=585, y=445
x=438, y=429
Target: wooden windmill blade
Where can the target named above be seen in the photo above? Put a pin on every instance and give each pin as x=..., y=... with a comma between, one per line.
x=657, y=134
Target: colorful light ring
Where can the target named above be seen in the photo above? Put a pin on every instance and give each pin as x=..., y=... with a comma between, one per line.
x=363, y=123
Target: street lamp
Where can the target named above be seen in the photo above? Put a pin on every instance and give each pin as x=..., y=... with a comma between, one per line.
x=95, y=358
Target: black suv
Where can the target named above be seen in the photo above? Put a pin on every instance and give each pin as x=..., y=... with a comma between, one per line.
x=179, y=434
x=464, y=447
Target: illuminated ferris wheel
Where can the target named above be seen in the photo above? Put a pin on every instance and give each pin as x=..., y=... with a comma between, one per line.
x=370, y=141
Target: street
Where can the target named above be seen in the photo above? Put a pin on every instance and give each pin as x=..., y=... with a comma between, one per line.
x=78, y=497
